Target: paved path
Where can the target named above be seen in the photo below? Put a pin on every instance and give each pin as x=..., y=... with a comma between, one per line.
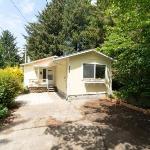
x=27, y=130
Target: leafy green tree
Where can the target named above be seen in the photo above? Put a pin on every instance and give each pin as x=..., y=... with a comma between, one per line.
x=128, y=41
x=8, y=50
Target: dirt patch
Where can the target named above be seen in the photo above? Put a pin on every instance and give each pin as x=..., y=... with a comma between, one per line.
x=121, y=125
x=52, y=122
x=105, y=125
x=5, y=123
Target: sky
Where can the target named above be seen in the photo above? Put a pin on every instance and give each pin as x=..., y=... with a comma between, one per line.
x=10, y=18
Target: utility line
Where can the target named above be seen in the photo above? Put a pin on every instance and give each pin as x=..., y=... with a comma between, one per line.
x=18, y=10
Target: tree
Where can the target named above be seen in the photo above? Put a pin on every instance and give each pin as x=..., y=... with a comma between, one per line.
x=128, y=41
x=82, y=25
x=65, y=26
x=8, y=50
x=1, y=56
x=45, y=38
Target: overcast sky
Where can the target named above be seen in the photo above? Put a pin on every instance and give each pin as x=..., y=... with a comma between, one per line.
x=11, y=19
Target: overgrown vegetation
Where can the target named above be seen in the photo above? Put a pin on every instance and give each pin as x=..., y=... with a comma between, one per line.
x=10, y=86
x=128, y=41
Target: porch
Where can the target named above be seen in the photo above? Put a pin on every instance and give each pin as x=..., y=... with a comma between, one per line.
x=44, y=79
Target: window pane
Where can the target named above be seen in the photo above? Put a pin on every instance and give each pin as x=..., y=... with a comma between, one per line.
x=100, y=71
x=44, y=73
x=88, y=70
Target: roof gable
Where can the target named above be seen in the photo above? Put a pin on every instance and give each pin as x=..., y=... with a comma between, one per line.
x=83, y=52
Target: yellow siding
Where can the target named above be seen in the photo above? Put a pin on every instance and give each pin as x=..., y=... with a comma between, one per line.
x=61, y=77
x=76, y=85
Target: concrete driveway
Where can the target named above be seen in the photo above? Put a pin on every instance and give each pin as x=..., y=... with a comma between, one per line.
x=47, y=122
x=31, y=120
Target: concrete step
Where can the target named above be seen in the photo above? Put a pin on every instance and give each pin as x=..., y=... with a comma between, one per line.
x=51, y=89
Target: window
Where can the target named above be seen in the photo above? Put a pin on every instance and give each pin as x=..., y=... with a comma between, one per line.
x=44, y=73
x=95, y=71
x=100, y=71
x=88, y=70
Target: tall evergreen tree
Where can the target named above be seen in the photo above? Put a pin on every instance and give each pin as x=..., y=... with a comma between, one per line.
x=9, y=50
x=45, y=38
x=1, y=56
x=65, y=26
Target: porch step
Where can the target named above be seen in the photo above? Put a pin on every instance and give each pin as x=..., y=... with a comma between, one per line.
x=51, y=89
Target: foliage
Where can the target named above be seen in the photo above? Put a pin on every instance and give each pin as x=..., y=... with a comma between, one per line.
x=8, y=50
x=26, y=90
x=10, y=85
x=65, y=26
x=3, y=111
x=83, y=25
x=128, y=41
x=2, y=61
x=16, y=72
x=45, y=38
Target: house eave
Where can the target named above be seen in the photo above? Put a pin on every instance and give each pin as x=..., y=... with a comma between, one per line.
x=83, y=52
x=36, y=61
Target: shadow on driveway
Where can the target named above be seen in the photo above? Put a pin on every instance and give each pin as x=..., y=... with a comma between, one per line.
x=112, y=127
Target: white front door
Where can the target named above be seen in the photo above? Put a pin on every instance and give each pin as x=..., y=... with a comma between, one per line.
x=50, y=76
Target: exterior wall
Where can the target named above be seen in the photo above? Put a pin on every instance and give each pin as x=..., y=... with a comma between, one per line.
x=76, y=84
x=29, y=73
x=61, y=77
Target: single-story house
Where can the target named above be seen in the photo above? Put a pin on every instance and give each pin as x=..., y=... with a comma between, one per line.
x=82, y=73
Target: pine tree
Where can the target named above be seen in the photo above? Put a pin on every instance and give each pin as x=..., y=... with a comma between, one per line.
x=9, y=50
x=65, y=26
x=83, y=25
x=45, y=38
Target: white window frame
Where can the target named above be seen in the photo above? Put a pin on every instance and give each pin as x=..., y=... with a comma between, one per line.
x=94, y=70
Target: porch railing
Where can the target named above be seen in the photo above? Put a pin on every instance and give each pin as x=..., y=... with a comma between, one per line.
x=38, y=82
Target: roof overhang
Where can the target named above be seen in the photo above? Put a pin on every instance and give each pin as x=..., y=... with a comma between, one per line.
x=50, y=61
x=83, y=52
x=39, y=61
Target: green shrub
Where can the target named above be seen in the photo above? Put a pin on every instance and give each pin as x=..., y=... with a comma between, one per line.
x=25, y=90
x=10, y=86
x=3, y=111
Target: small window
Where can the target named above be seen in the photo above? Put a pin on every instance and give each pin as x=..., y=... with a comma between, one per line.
x=88, y=70
x=100, y=71
x=44, y=73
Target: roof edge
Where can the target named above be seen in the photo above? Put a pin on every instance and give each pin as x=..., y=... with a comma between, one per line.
x=32, y=62
x=82, y=52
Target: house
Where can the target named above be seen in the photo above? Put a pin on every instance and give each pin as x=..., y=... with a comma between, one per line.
x=82, y=73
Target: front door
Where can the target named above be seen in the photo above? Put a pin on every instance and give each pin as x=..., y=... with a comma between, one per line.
x=50, y=77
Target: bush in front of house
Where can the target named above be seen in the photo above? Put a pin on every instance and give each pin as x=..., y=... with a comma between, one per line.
x=3, y=111
x=10, y=85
